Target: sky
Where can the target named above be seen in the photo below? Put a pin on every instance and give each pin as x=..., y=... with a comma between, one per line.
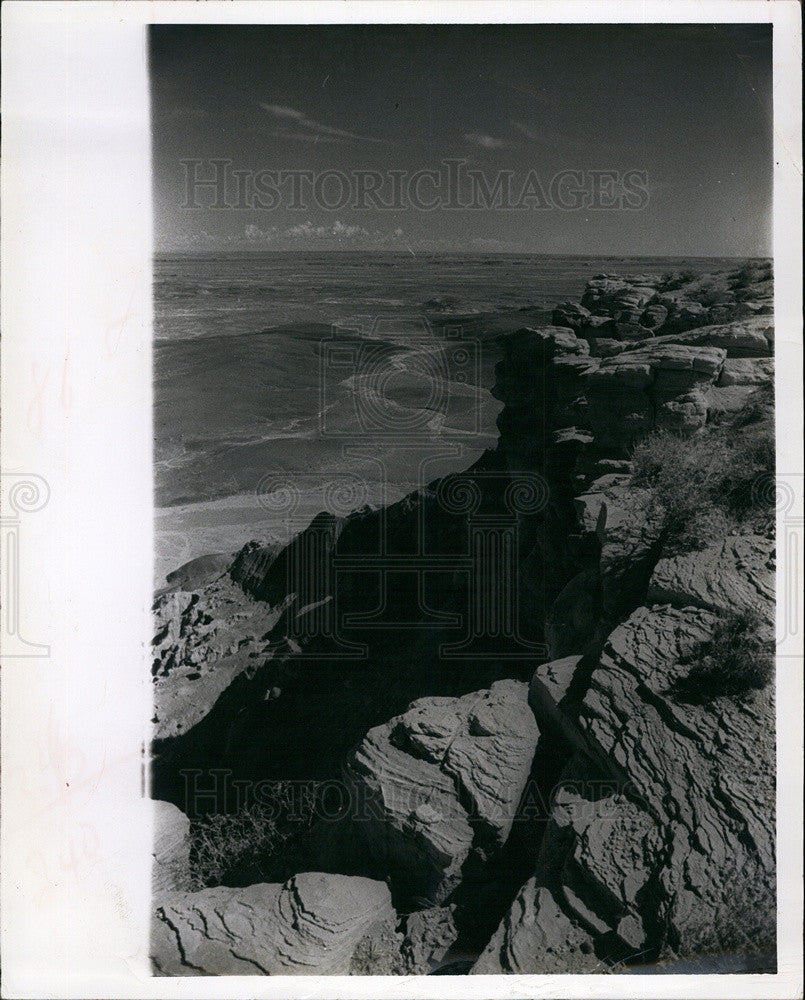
x=605, y=139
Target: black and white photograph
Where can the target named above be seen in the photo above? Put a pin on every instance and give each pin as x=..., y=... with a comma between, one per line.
x=465, y=499
x=400, y=575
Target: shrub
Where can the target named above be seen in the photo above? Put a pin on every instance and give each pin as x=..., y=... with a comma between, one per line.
x=682, y=475
x=673, y=280
x=737, y=658
x=751, y=273
x=703, y=486
x=701, y=528
x=249, y=845
x=713, y=295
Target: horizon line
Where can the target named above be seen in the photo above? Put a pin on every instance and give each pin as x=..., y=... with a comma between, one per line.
x=463, y=253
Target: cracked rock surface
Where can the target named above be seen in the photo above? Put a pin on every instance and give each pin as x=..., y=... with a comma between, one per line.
x=736, y=573
x=662, y=841
x=311, y=924
x=441, y=780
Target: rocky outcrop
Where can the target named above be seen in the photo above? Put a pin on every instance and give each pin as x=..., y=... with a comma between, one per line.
x=657, y=385
x=429, y=935
x=663, y=841
x=639, y=306
x=265, y=571
x=441, y=780
x=536, y=936
x=200, y=571
x=748, y=338
x=534, y=403
x=313, y=924
x=746, y=371
x=734, y=574
x=571, y=315
x=203, y=640
x=659, y=809
x=616, y=514
x=658, y=839
x=171, y=848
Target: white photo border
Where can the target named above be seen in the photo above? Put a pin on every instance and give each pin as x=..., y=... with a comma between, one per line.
x=77, y=398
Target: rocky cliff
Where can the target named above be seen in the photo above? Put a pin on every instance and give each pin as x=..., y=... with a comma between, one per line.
x=578, y=779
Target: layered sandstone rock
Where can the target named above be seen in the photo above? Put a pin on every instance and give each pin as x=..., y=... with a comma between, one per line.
x=657, y=385
x=734, y=574
x=747, y=338
x=313, y=924
x=537, y=936
x=662, y=843
x=441, y=780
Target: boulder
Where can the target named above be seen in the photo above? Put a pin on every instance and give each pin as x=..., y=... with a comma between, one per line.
x=543, y=343
x=654, y=315
x=441, y=780
x=538, y=937
x=606, y=347
x=570, y=314
x=313, y=924
x=746, y=371
x=684, y=315
x=661, y=841
x=618, y=295
x=748, y=338
x=429, y=935
x=702, y=774
x=631, y=330
x=600, y=289
x=598, y=326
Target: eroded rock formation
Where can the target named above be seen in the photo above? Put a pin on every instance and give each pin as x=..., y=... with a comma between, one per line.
x=441, y=780
x=656, y=841
x=314, y=923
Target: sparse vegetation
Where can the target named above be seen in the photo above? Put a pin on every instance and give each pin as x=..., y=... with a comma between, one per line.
x=736, y=659
x=745, y=282
x=673, y=280
x=717, y=481
x=713, y=295
x=244, y=847
x=751, y=273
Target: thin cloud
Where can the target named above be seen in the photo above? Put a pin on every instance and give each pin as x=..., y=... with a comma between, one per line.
x=310, y=234
x=545, y=135
x=299, y=126
x=485, y=141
